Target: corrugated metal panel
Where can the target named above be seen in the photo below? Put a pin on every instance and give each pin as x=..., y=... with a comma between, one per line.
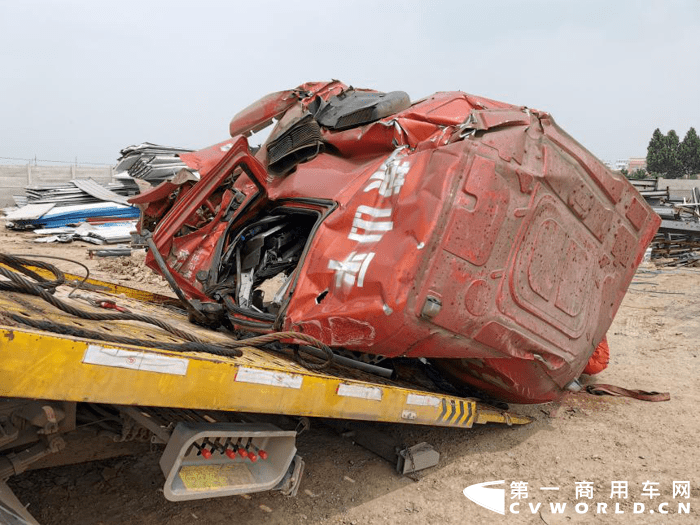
x=90, y=187
x=29, y=212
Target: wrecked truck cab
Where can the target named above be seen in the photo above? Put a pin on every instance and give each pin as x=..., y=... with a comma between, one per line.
x=466, y=231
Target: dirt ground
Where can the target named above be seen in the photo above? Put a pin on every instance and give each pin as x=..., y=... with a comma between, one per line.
x=128, y=271
x=581, y=438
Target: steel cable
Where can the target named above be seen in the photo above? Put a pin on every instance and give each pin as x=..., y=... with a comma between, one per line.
x=44, y=289
x=191, y=346
x=20, y=284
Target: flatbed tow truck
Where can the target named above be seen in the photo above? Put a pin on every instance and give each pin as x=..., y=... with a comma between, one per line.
x=217, y=416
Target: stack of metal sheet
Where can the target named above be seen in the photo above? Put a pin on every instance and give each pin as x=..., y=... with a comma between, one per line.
x=677, y=242
x=77, y=201
x=80, y=191
x=67, y=193
x=151, y=162
x=64, y=215
x=123, y=184
x=110, y=233
x=100, y=192
x=70, y=192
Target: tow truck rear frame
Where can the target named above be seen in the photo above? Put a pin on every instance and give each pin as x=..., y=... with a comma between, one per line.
x=44, y=376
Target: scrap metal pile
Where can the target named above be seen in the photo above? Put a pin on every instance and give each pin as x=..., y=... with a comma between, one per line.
x=78, y=191
x=472, y=233
x=82, y=209
x=677, y=242
x=79, y=209
x=151, y=162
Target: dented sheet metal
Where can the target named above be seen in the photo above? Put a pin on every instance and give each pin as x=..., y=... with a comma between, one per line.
x=471, y=232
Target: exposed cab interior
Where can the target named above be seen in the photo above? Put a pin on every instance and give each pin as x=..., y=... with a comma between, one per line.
x=257, y=268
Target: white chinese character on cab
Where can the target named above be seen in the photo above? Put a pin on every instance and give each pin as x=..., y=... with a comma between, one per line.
x=584, y=489
x=649, y=489
x=390, y=176
x=681, y=489
x=370, y=224
x=518, y=489
x=352, y=270
x=618, y=489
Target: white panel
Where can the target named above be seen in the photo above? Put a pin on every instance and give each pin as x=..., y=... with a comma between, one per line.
x=268, y=377
x=363, y=392
x=144, y=361
x=424, y=401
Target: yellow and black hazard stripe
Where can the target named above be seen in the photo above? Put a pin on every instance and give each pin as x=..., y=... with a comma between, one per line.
x=457, y=413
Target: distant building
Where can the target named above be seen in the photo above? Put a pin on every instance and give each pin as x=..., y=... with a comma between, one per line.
x=632, y=164
x=637, y=163
x=617, y=165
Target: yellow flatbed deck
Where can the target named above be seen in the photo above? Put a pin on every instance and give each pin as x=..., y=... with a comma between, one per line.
x=41, y=364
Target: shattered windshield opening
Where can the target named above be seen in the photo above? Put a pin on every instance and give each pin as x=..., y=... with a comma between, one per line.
x=257, y=268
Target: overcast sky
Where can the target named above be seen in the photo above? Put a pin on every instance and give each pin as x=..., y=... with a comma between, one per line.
x=83, y=79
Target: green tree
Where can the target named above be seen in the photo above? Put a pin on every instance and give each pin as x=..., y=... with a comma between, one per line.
x=689, y=153
x=640, y=173
x=674, y=168
x=655, y=153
